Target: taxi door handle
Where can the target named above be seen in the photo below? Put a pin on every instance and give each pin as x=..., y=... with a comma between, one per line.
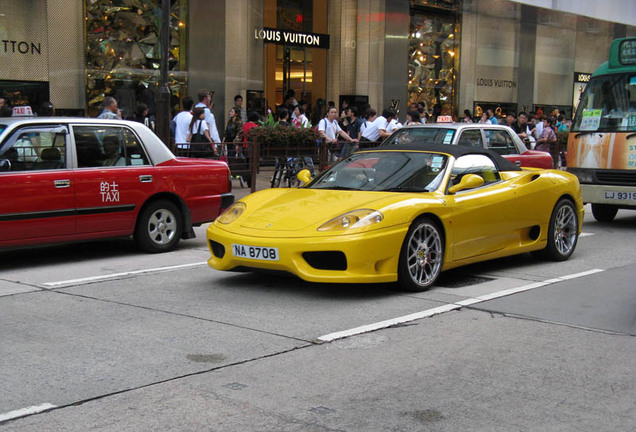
x=145, y=178
x=518, y=163
x=62, y=183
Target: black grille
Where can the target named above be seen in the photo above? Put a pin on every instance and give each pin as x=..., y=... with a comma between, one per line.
x=217, y=249
x=616, y=177
x=326, y=260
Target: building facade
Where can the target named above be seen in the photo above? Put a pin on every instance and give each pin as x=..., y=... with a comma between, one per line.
x=451, y=54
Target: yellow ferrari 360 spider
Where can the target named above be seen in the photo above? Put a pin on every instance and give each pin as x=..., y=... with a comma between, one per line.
x=401, y=213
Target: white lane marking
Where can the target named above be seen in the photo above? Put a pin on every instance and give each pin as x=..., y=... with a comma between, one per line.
x=100, y=278
x=26, y=411
x=448, y=307
x=586, y=234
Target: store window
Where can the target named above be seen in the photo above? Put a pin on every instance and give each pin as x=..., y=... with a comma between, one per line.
x=433, y=43
x=123, y=53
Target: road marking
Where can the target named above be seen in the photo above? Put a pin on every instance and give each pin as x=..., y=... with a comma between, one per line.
x=26, y=411
x=448, y=307
x=586, y=234
x=101, y=278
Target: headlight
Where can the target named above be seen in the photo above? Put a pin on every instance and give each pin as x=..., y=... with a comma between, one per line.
x=353, y=219
x=232, y=213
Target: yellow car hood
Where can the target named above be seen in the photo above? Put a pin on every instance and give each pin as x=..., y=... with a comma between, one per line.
x=298, y=209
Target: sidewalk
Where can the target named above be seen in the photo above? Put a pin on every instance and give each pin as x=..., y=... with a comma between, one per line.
x=263, y=180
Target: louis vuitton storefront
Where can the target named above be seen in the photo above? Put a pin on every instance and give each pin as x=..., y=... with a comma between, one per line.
x=450, y=54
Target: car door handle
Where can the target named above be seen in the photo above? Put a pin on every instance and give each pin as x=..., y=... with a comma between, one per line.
x=145, y=178
x=62, y=183
x=518, y=162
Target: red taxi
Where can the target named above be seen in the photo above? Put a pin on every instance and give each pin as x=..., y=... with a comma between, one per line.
x=70, y=179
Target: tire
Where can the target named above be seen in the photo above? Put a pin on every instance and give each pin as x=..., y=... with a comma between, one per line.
x=422, y=256
x=563, y=232
x=159, y=227
x=604, y=212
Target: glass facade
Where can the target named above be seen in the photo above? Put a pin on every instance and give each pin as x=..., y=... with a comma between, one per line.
x=123, y=53
x=432, y=57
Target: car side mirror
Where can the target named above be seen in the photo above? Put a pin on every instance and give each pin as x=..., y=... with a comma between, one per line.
x=304, y=176
x=468, y=181
x=5, y=165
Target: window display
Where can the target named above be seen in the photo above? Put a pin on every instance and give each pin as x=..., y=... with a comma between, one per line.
x=432, y=52
x=124, y=53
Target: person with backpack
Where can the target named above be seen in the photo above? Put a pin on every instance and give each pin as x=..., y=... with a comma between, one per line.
x=199, y=135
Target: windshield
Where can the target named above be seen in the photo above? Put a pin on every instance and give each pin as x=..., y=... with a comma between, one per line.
x=419, y=134
x=385, y=171
x=608, y=105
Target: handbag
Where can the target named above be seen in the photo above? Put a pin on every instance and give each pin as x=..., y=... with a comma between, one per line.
x=198, y=137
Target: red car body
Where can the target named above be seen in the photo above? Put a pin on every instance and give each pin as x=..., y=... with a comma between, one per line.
x=58, y=184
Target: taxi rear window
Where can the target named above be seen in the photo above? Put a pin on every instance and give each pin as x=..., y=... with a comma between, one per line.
x=2, y=128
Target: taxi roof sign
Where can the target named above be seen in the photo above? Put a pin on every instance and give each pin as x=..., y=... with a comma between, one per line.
x=444, y=119
x=22, y=111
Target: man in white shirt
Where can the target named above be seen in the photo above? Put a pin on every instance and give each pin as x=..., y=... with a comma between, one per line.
x=205, y=102
x=376, y=131
x=329, y=129
x=182, y=123
x=393, y=125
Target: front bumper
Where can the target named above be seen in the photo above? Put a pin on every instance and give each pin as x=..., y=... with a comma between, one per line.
x=371, y=257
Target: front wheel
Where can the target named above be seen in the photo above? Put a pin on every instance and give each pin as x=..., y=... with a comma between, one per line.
x=604, y=212
x=422, y=256
x=563, y=231
x=159, y=227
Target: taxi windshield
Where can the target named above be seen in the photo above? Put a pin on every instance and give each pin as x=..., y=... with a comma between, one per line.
x=385, y=171
x=438, y=135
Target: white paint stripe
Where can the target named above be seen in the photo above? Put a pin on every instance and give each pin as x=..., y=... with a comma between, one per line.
x=449, y=307
x=584, y=234
x=388, y=323
x=26, y=411
x=90, y=279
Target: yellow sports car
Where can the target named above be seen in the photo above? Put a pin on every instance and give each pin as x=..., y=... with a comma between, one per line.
x=401, y=213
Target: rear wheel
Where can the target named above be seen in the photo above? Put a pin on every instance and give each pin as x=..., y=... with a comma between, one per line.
x=159, y=227
x=563, y=232
x=422, y=256
x=604, y=212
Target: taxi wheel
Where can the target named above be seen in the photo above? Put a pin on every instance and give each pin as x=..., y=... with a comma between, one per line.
x=422, y=256
x=159, y=227
x=563, y=232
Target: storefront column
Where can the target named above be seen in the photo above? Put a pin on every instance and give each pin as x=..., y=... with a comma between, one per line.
x=527, y=58
x=396, y=50
x=206, y=48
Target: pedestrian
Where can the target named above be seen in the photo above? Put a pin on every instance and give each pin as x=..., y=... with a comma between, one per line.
x=46, y=109
x=353, y=130
x=182, y=122
x=413, y=118
x=377, y=130
x=548, y=138
x=252, y=122
x=238, y=102
x=491, y=117
x=483, y=119
x=205, y=102
x=329, y=129
x=393, y=123
x=233, y=132
x=511, y=118
x=110, y=110
x=560, y=125
x=142, y=115
x=368, y=123
x=199, y=135
x=299, y=119
x=468, y=117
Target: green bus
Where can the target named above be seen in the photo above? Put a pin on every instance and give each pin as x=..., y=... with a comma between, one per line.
x=602, y=143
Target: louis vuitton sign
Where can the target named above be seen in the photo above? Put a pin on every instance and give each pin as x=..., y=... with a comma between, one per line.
x=292, y=38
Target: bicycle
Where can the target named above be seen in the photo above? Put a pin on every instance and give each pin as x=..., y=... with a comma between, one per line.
x=286, y=170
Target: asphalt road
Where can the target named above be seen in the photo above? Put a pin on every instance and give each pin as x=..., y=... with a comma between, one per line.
x=97, y=336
